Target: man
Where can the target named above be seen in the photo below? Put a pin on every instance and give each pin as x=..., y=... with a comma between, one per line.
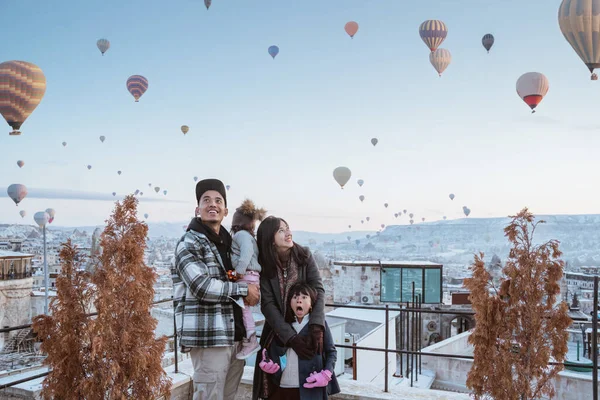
x=209, y=323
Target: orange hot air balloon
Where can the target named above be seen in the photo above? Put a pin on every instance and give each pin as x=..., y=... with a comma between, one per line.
x=137, y=86
x=22, y=87
x=351, y=28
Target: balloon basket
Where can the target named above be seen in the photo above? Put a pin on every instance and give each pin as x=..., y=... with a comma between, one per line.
x=14, y=133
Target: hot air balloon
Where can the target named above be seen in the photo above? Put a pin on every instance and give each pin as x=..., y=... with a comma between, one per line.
x=362, y=221
x=423, y=219
x=273, y=51
x=385, y=205
x=440, y=59
x=20, y=163
x=395, y=215
x=487, y=41
x=349, y=226
x=532, y=87
x=114, y=193
x=227, y=187
x=102, y=138
x=411, y=222
x=404, y=211
x=444, y=217
x=137, y=86
x=41, y=218
x=342, y=175
x=360, y=182
x=157, y=189
x=119, y=172
x=207, y=3
x=466, y=210
x=22, y=213
x=451, y=195
x=382, y=226
x=141, y=193
x=357, y=242
x=351, y=28
x=433, y=32
x=411, y=215
x=165, y=192
x=146, y=216
x=149, y=185
x=64, y=144
x=195, y=179
x=103, y=45
x=51, y=213
x=368, y=236
x=368, y=219
x=23, y=86
x=579, y=22
x=185, y=129
x=17, y=192
x=89, y=167
x=137, y=191
x=374, y=141
x=361, y=198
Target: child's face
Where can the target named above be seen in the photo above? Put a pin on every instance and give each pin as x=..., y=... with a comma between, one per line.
x=301, y=304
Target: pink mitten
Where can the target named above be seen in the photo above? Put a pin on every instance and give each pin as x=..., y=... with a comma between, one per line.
x=269, y=366
x=318, y=379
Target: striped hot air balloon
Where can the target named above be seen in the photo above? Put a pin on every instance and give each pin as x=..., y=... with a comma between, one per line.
x=433, y=32
x=579, y=22
x=532, y=87
x=137, y=86
x=440, y=59
x=103, y=45
x=487, y=41
x=22, y=87
x=185, y=129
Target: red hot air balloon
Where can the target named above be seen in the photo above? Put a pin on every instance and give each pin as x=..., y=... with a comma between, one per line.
x=22, y=87
x=532, y=87
x=137, y=86
x=351, y=28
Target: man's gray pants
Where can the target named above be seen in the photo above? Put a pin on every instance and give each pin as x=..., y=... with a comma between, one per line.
x=217, y=373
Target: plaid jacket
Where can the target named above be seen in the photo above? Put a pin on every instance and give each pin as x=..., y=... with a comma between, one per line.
x=202, y=294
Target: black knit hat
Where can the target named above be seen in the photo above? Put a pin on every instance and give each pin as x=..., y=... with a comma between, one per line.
x=210, y=184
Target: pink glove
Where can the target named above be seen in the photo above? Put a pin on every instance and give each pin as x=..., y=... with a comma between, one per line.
x=268, y=367
x=318, y=379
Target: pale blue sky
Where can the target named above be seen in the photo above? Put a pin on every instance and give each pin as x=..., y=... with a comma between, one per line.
x=275, y=129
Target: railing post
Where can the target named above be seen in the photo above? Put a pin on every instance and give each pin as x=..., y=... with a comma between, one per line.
x=412, y=336
x=354, y=361
x=175, y=341
x=387, y=344
x=595, y=341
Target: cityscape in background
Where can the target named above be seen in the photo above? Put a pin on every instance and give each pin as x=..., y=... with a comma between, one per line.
x=364, y=268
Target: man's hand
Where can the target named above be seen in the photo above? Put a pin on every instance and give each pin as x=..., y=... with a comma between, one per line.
x=253, y=295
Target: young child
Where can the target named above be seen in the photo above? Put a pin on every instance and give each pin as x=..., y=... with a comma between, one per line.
x=295, y=378
x=244, y=257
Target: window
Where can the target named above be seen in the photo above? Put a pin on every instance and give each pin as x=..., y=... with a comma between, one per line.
x=433, y=292
x=390, y=285
x=410, y=275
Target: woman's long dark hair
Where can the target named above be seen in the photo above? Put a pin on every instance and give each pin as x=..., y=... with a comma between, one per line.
x=267, y=252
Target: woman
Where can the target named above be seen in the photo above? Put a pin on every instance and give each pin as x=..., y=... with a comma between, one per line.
x=283, y=264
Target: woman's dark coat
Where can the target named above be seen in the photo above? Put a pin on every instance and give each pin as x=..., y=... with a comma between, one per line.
x=272, y=308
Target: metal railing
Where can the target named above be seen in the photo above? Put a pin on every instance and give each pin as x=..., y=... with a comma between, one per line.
x=410, y=345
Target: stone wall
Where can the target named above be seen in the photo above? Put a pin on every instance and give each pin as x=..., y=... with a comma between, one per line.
x=351, y=283
x=15, y=303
